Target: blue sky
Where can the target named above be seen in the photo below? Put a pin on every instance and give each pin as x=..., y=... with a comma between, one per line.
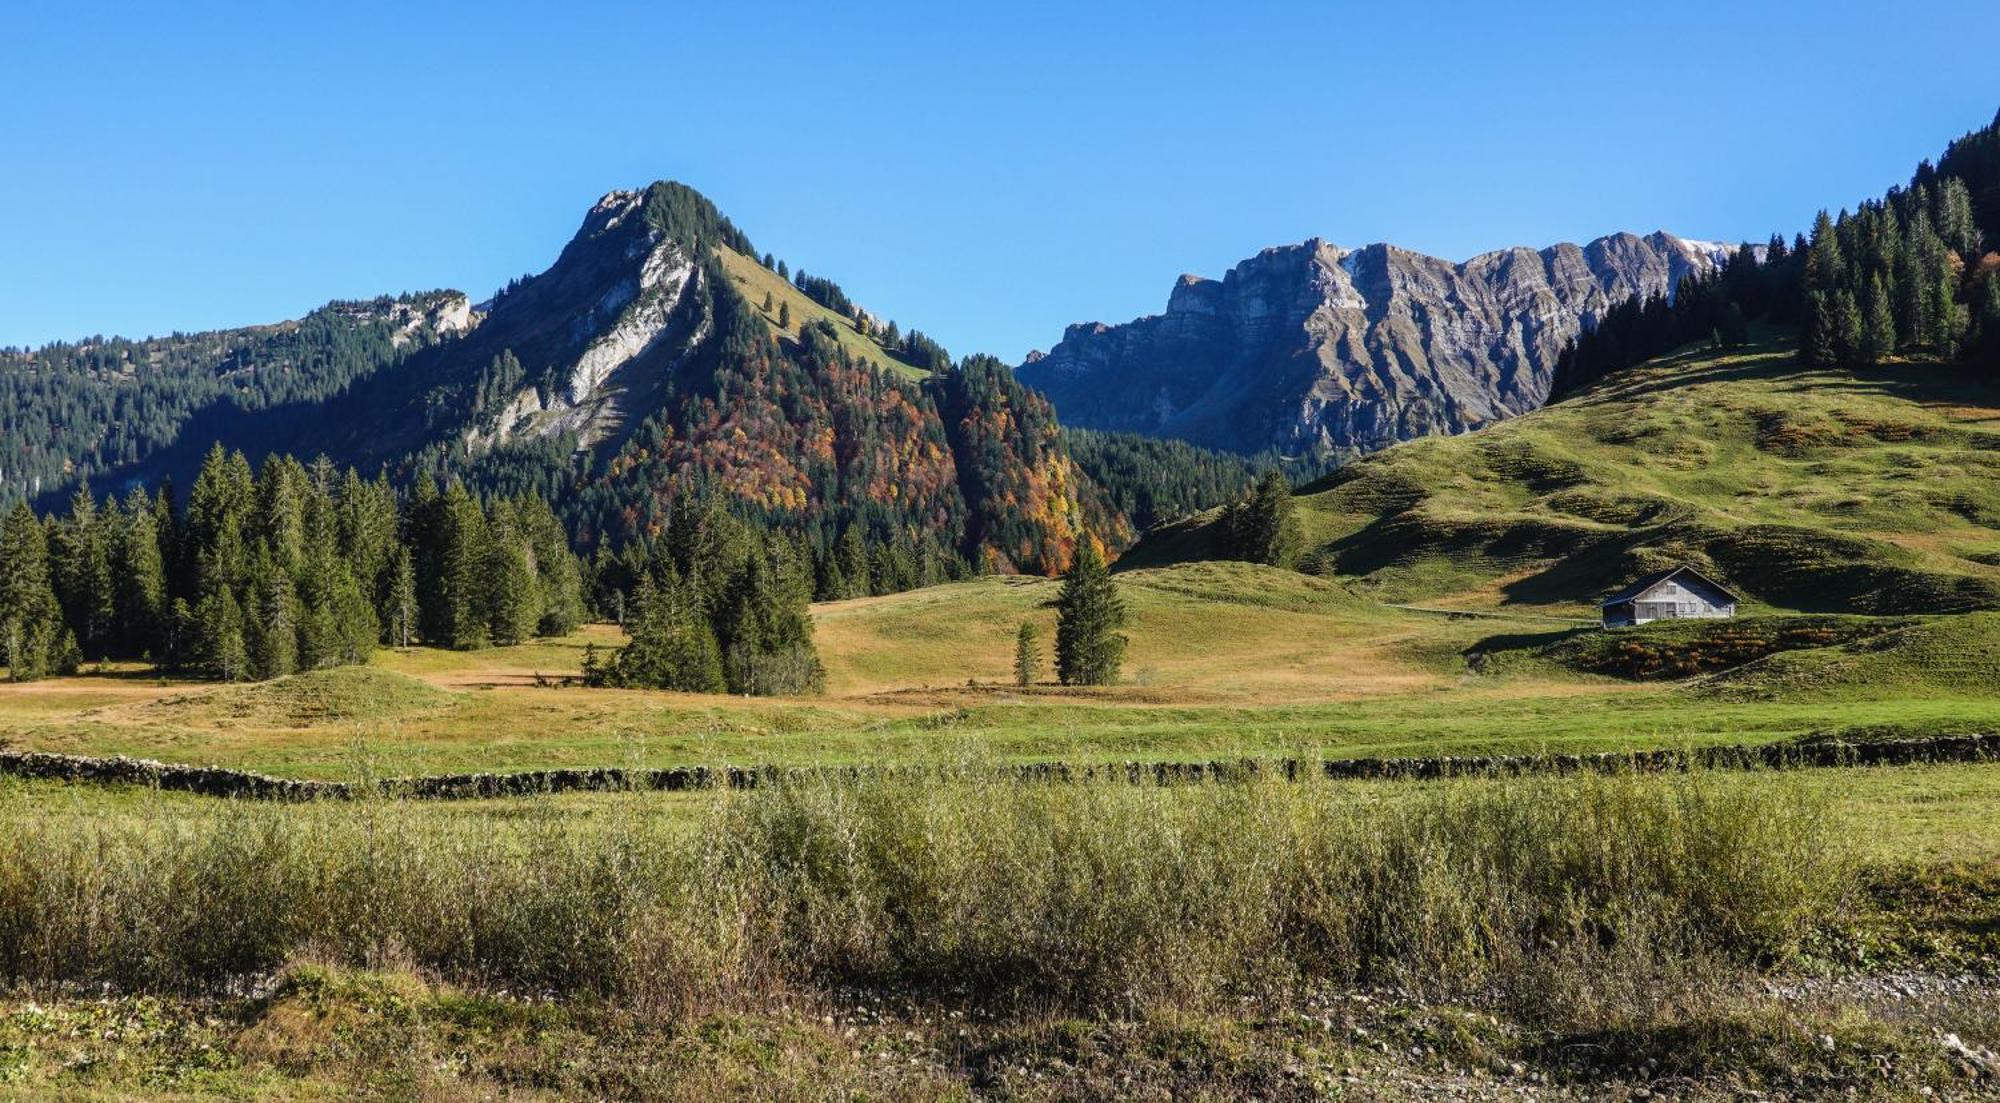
x=988, y=173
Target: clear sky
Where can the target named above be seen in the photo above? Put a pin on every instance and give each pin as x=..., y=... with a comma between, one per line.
x=986, y=172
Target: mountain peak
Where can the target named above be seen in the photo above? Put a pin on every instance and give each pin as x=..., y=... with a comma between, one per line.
x=1313, y=347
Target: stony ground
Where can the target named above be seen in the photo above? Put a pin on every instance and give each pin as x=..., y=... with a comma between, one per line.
x=315, y=1033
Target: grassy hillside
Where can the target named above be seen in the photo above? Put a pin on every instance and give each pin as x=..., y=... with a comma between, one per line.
x=754, y=281
x=1875, y=492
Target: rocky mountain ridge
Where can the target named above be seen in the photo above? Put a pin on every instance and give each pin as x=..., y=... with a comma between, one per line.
x=1320, y=349
x=632, y=377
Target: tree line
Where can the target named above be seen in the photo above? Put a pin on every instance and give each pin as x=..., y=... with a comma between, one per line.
x=293, y=567
x=1905, y=276
x=73, y=411
x=712, y=605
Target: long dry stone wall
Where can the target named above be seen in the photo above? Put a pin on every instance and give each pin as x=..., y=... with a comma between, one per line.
x=241, y=784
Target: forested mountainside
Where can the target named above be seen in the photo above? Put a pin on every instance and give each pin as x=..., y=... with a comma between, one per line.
x=1911, y=275
x=77, y=410
x=1322, y=351
x=657, y=365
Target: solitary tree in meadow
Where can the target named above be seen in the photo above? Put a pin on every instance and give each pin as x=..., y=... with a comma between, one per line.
x=1089, y=614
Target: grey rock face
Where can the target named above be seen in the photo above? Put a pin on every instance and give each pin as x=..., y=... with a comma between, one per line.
x=1314, y=348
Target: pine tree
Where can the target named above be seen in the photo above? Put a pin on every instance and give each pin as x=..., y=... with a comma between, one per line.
x=1262, y=528
x=1027, y=655
x=402, y=603
x=672, y=646
x=1878, y=323
x=784, y=315
x=141, y=580
x=1089, y=613
x=770, y=303
x=34, y=640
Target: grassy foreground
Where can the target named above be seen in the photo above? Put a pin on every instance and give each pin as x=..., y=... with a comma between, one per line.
x=890, y=938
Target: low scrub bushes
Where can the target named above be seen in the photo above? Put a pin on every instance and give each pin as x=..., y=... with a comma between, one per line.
x=1052, y=897
x=1688, y=648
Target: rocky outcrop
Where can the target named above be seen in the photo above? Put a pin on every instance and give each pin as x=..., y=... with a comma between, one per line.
x=601, y=325
x=1316, y=348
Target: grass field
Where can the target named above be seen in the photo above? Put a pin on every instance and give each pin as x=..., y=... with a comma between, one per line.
x=1226, y=660
x=837, y=937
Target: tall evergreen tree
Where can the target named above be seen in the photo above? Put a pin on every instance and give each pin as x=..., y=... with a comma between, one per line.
x=81, y=565
x=1027, y=655
x=220, y=651
x=140, y=574
x=34, y=640
x=460, y=618
x=1878, y=323
x=672, y=646
x=1089, y=613
x=402, y=601
x=1261, y=528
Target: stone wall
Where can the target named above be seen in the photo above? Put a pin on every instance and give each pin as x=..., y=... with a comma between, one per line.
x=241, y=784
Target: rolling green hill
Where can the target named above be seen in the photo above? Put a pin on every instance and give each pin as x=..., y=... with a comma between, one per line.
x=1871, y=491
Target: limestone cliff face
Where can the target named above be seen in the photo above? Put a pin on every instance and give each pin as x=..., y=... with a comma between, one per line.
x=1312, y=347
x=601, y=327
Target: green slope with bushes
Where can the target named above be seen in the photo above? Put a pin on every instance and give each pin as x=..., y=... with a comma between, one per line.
x=1874, y=491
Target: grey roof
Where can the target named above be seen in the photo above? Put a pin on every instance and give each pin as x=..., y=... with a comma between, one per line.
x=1649, y=581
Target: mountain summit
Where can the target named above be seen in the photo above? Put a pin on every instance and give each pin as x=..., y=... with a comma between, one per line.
x=659, y=364
x=1316, y=348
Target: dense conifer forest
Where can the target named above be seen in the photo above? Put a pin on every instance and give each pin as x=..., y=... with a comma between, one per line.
x=1910, y=274
x=295, y=567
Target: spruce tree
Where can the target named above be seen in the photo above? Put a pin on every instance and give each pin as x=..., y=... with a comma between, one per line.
x=141, y=580
x=1089, y=613
x=1819, y=337
x=462, y=572
x=402, y=601
x=272, y=630
x=511, y=589
x=80, y=563
x=1847, y=339
x=1262, y=528
x=1027, y=655
x=672, y=646
x=221, y=652
x=34, y=640
x=1878, y=323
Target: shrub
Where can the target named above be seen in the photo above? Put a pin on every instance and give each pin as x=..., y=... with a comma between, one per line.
x=1086, y=896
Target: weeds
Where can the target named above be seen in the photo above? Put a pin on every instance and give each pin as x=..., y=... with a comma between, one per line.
x=1054, y=898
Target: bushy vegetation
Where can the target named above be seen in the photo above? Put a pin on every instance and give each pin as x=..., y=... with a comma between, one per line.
x=1688, y=648
x=1081, y=897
